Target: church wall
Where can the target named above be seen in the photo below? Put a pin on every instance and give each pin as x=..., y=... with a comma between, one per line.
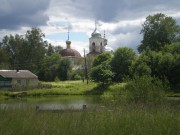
x=97, y=42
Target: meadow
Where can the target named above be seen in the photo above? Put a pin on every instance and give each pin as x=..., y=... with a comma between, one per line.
x=119, y=116
x=71, y=88
x=117, y=120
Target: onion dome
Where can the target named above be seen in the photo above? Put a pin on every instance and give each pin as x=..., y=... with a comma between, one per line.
x=70, y=53
x=96, y=33
x=68, y=42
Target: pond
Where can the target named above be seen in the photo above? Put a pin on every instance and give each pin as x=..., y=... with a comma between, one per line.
x=56, y=102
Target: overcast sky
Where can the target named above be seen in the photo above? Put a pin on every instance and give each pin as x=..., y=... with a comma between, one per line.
x=121, y=19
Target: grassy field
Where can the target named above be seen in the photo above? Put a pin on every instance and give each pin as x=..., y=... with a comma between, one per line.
x=117, y=118
x=58, y=88
x=71, y=88
x=123, y=120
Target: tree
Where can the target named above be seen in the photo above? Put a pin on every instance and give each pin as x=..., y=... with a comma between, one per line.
x=3, y=59
x=102, y=73
x=121, y=62
x=164, y=64
x=140, y=66
x=53, y=49
x=64, y=69
x=49, y=68
x=25, y=51
x=172, y=48
x=159, y=30
x=101, y=58
x=50, y=50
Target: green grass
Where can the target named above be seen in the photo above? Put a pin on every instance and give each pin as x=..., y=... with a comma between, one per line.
x=124, y=120
x=58, y=88
x=73, y=88
x=115, y=119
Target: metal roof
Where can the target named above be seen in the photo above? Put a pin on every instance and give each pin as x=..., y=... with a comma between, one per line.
x=70, y=52
x=17, y=74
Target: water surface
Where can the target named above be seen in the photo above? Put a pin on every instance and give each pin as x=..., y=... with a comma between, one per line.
x=56, y=102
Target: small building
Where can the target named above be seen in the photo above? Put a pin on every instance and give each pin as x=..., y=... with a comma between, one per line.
x=20, y=78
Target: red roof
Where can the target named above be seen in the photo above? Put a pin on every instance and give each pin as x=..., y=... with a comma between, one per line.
x=70, y=53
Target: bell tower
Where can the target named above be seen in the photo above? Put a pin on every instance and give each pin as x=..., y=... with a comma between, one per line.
x=97, y=43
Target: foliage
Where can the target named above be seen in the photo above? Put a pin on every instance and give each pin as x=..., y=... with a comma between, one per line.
x=101, y=70
x=49, y=68
x=102, y=73
x=145, y=89
x=4, y=59
x=140, y=66
x=76, y=74
x=25, y=51
x=89, y=61
x=101, y=58
x=53, y=49
x=159, y=30
x=64, y=69
x=172, y=48
x=164, y=64
x=56, y=79
x=121, y=62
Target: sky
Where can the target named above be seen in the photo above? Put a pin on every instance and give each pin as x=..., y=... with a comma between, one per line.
x=120, y=19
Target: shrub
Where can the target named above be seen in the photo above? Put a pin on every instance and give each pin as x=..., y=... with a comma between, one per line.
x=145, y=89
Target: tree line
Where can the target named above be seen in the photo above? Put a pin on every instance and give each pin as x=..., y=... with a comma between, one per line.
x=31, y=52
x=159, y=55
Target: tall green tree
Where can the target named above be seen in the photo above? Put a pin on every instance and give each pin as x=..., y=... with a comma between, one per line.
x=49, y=68
x=4, y=59
x=140, y=66
x=121, y=62
x=164, y=64
x=102, y=73
x=101, y=58
x=53, y=49
x=25, y=51
x=101, y=69
x=64, y=69
x=159, y=30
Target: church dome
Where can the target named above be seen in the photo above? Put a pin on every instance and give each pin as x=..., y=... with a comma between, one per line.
x=96, y=33
x=68, y=42
x=70, y=53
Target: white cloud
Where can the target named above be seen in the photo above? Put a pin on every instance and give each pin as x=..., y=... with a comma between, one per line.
x=121, y=19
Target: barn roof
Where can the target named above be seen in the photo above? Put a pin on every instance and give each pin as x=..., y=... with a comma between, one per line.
x=17, y=74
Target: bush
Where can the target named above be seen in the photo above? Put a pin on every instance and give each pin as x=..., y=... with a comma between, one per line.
x=145, y=89
x=57, y=79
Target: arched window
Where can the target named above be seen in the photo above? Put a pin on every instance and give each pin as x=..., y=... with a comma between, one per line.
x=101, y=47
x=93, y=47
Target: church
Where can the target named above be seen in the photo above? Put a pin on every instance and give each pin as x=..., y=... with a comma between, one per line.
x=97, y=45
x=69, y=52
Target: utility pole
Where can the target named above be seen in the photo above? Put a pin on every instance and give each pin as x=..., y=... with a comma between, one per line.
x=85, y=68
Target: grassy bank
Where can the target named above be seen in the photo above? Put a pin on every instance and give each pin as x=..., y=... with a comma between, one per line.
x=124, y=120
x=72, y=88
x=58, y=88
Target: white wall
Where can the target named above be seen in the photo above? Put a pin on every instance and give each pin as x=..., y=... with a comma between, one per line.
x=25, y=82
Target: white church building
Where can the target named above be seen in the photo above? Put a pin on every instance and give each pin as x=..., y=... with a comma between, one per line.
x=98, y=44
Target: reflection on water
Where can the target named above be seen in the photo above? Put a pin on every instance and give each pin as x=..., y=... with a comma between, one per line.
x=58, y=102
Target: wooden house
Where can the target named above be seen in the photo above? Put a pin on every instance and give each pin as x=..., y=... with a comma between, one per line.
x=19, y=78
